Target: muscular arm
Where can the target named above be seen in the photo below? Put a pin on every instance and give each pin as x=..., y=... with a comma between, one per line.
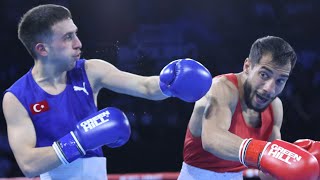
x=277, y=117
x=104, y=75
x=216, y=138
x=22, y=138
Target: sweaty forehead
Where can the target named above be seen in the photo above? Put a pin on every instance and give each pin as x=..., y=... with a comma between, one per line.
x=63, y=27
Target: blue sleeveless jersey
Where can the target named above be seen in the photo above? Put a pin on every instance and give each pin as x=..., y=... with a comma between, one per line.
x=54, y=116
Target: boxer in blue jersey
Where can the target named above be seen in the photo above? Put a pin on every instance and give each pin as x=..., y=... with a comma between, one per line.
x=54, y=127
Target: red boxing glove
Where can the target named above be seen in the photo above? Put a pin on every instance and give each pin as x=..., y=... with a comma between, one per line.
x=280, y=159
x=313, y=147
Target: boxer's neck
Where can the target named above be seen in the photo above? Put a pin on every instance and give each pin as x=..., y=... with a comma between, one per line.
x=52, y=82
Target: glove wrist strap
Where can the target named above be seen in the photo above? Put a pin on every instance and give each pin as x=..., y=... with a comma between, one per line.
x=250, y=152
x=68, y=148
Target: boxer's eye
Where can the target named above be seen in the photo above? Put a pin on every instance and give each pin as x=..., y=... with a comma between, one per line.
x=69, y=36
x=281, y=81
x=264, y=75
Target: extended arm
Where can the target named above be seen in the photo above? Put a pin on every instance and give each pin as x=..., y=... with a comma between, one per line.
x=104, y=75
x=186, y=79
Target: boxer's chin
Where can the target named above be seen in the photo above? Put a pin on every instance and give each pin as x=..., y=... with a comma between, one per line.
x=72, y=64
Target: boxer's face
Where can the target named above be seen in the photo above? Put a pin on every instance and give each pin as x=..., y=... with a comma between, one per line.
x=265, y=81
x=64, y=49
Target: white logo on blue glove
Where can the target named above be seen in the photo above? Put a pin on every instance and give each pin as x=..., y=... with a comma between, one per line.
x=95, y=121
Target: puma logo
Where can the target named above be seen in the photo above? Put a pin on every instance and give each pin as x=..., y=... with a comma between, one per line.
x=77, y=88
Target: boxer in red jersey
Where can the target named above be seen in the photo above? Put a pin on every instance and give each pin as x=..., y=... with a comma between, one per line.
x=237, y=124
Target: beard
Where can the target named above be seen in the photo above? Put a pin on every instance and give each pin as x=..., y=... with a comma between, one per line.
x=248, y=96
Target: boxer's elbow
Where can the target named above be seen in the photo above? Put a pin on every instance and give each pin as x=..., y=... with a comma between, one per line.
x=30, y=174
x=29, y=168
x=29, y=171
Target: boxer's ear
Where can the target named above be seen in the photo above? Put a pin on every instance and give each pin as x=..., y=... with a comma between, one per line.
x=246, y=66
x=41, y=49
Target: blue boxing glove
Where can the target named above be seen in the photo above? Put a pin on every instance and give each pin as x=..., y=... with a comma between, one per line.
x=186, y=79
x=108, y=126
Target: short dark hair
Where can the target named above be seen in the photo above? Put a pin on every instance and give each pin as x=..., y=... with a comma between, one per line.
x=281, y=51
x=35, y=25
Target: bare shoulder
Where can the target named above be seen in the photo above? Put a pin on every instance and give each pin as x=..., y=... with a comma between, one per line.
x=277, y=107
x=7, y=97
x=98, y=66
x=12, y=108
x=96, y=62
x=224, y=82
x=9, y=100
x=223, y=91
x=99, y=71
x=276, y=103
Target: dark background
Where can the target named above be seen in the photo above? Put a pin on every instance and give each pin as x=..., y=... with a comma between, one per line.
x=141, y=36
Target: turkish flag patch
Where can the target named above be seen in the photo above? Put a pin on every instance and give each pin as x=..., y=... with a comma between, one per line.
x=39, y=107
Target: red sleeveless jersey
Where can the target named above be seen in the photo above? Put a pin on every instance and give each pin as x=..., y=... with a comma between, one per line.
x=195, y=155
